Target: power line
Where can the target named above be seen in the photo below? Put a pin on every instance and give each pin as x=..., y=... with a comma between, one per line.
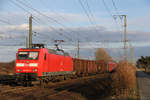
x=116, y=9
x=6, y=22
x=114, y=5
x=50, y=18
x=41, y=14
x=38, y=19
x=56, y=31
x=65, y=19
x=46, y=16
x=87, y=14
x=90, y=12
x=89, y=9
x=20, y=7
x=38, y=12
x=23, y=9
x=62, y=17
x=109, y=12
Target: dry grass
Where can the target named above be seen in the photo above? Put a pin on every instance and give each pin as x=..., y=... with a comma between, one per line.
x=124, y=79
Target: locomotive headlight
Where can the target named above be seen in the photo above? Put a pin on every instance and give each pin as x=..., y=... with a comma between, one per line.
x=33, y=64
x=19, y=64
x=34, y=70
x=18, y=70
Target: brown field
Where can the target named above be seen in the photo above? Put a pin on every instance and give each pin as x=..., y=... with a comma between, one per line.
x=7, y=68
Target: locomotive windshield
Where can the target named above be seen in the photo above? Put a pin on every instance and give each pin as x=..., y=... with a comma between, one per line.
x=28, y=55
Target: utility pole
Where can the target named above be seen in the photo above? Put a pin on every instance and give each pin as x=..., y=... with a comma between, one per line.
x=27, y=44
x=30, y=31
x=132, y=53
x=125, y=34
x=125, y=37
x=78, y=51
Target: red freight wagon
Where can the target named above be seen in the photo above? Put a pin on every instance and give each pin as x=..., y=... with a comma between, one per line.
x=85, y=67
x=108, y=66
x=42, y=62
x=102, y=65
x=111, y=66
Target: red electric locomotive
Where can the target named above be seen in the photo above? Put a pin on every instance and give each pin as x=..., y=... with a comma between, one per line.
x=45, y=64
x=40, y=62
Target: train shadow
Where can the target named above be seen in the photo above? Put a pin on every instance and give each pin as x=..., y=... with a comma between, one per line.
x=94, y=89
x=9, y=80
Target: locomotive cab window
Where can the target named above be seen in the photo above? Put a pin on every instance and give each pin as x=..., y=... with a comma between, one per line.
x=25, y=55
x=33, y=55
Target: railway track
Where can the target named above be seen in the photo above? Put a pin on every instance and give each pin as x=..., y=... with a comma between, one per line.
x=17, y=89
x=51, y=90
x=63, y=87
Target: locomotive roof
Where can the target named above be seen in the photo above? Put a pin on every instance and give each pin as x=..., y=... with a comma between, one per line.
x=31, y=48
x=52, y=51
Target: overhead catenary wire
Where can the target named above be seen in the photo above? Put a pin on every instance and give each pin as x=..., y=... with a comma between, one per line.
x=66, y=20
x=36, y=18
x=89, y=10
x=117, y=13
x=60, y=33
x=56, y=13
x=52, y=39
x=108, y=10
x=116, y=9
x=23, y=8
x=44, y=15
x=6, y=22
x=38, y=13
x=110, y=13
x=90, y=13
x=87, y=14
x=114, y=5
x=50, y=18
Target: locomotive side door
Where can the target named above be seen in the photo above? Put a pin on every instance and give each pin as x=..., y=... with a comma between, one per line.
x=45, y=67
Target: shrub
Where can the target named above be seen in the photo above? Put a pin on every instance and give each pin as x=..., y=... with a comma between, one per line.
x=124, y=78
x=101, y=54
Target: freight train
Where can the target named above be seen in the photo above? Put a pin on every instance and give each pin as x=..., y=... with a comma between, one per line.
x=44, y=64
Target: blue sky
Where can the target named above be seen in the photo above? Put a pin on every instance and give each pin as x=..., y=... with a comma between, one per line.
x=74, y=22
x=134, y=9
x=70, y=14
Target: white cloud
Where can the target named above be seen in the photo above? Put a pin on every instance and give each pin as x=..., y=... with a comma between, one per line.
x=140, y=23
x=87, y=32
